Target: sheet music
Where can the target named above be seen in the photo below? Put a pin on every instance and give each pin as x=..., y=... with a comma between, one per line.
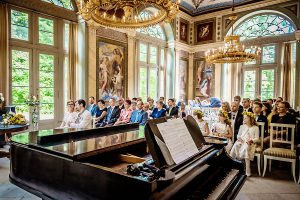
x=178, y=139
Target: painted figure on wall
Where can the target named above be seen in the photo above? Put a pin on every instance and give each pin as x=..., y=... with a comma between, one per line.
x=182, y=79
x=111, y=71
x=205, y=32
x=204, y=78
x=183, y=31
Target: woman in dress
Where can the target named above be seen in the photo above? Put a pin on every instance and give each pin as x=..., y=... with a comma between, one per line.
x=248, y=135
x=100, y=112
x=223, y=129
x=182, y=112
x=70, y=116
x=203, y=125
x=125, y=114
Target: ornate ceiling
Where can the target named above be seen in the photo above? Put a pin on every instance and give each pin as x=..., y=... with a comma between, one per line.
x=210, y=5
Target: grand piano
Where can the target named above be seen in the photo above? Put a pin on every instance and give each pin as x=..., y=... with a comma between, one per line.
x=121, y=162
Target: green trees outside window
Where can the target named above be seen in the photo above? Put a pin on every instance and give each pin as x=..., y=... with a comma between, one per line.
x=19, y=25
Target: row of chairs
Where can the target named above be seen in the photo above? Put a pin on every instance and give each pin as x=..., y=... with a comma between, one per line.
x=281, y=147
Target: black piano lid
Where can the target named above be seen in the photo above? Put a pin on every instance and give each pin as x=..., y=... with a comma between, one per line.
x=79, y=143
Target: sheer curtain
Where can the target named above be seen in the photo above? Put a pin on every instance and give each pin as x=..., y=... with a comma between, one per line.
x=4, y=50
x=73, y=61
x=286, y=69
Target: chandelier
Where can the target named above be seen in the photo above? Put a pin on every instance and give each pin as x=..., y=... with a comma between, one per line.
x=233, y=51
x=197, y=3
x=126, y=13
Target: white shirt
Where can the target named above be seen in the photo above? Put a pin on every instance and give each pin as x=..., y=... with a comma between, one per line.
x=69, y=118
x=84, y=120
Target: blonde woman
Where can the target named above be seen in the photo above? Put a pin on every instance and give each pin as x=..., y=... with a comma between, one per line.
x=248, y=135
x=223, y=129
x=225, y=107
x=70, y=116
x=203, y=125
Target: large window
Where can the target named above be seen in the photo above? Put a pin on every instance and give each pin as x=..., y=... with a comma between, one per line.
x=62, y=3
x=260, y=77
x=151, y=70
x=34, y=69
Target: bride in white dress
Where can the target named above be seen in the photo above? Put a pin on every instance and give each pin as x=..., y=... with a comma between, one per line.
x=248, y=135
x=223, y=129
x=70, y=116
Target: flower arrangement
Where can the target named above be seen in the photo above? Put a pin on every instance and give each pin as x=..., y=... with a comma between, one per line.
x=196, y=112
x=224, y=114
x=249, y=114
x=12, y=118
x=32, y=101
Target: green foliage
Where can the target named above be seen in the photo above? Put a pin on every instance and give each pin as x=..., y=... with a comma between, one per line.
x=19, y=25
x=153, y=83
x=268, y=54
x=46, y=31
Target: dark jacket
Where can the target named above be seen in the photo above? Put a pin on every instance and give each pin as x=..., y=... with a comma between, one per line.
x=262, y=118
x=237, y=122
x=174, y=111
x=112, y=115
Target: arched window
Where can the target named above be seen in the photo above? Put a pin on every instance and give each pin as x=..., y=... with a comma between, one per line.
x=151, y=61
x=153, y=31
x=62, y=3
x=260, y=78
x=264, y=25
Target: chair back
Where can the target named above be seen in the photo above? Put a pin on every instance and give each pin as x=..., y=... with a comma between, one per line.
x=261, y=126
x=282, y=133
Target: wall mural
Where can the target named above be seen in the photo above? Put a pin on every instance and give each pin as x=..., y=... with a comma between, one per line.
x=111, y=69
x=184, y=31
x=205, y=32
x=204, y=79
x=182, y=78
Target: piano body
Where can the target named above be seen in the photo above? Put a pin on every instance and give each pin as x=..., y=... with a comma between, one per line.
x=92, y=164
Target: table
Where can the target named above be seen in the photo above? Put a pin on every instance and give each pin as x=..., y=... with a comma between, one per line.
x=7, y=131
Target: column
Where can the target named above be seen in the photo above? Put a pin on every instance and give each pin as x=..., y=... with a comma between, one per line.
x=297, y=77
x=131, y=69
x=92, y=66
x=176, y=72
x=191, y=77
x=170, y=74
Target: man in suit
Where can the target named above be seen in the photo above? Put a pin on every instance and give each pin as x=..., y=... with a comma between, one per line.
x=113, y=113
x=162, y=99
x=172, y=110
x=139, y=115
x=259, y=117
x=246, y=105
x=237, y=99
x=92, y=106
x=236, y=118
x=159, y=111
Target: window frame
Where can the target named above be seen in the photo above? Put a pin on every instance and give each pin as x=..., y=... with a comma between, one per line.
x=30, y=22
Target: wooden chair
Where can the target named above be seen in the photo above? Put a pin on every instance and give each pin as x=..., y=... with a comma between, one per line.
x=281, y=135
x=260, y=145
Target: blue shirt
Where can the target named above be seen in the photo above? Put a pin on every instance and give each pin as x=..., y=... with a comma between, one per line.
x=93, y=109
x=139, y=116
x=158, y=113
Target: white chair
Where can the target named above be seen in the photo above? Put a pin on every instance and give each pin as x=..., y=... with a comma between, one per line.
x=260, y=145
x=282, y=135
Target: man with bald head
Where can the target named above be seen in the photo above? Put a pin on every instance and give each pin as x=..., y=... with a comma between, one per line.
x=236, y=118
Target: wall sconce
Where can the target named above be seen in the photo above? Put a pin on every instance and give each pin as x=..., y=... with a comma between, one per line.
x=297, y=36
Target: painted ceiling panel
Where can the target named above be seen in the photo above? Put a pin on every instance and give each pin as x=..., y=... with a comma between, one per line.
x=210, y=5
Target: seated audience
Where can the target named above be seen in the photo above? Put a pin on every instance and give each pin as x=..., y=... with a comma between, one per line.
x=139, y=115
x=113, y=113
x=125, y=114
x=159, y=111
x=266, y=109
x=121, y=104
x=223, y=129
x=172, y=110
x=237, y=99
x=70, y=116
x=277, y=101
x=236, y=118
x=133, y=105
x=146, y=108
x=246, y=105
x=270, y=101
x=259, y=117
x=182, y=113
x=151, y=104
x=162, y=99
x=203, y=125
x=84, y=117
x=92, y=106
x=101, y=113
x=248, y=135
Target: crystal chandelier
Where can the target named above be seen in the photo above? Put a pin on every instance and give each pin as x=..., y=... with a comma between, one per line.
x=233, y=51
x=197, y=3
x=126, y=13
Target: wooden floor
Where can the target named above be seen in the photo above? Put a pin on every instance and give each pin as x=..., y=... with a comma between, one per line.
x=277, y=185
